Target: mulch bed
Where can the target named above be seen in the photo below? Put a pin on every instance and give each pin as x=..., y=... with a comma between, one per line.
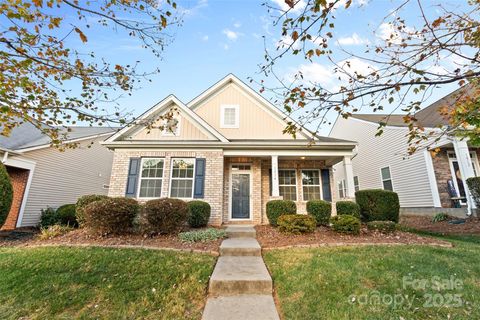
x=270, y=237
x=471, y=225
x=80, y=237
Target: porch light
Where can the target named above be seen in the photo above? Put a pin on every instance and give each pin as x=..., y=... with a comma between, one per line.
x=303, y=158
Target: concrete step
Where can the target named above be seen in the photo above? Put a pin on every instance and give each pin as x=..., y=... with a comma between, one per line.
x=240, y=275
x=241, y=231
x=242, y=307
x=240, y=247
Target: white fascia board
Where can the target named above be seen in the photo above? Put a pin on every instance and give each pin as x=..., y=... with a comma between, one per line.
x=300, y=153
x=171, y=99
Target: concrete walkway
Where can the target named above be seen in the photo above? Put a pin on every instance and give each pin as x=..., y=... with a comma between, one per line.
x=240, y=286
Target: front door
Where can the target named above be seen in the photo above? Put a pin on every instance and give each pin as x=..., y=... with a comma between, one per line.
x=240, y=196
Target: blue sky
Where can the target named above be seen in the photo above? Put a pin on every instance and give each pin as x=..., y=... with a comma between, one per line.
x=220, y=37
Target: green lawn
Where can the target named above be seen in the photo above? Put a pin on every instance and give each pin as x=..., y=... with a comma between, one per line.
x=362, y=282
x=100, y=283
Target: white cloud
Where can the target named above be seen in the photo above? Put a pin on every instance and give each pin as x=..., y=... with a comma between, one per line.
x=237, y=25
x=205, y=38
x=286, y=41
x=353, y=40
x=329, y=76
x=387, y=32
x=231, y=35
x=188, y=12
x=299, y=5
x=226, y=47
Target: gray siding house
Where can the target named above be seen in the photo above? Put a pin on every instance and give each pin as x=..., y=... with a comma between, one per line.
x=42, y=176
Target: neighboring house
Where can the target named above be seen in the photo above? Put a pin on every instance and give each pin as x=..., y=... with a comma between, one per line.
x=425, y=184
x=42, y=176
x=228, y=149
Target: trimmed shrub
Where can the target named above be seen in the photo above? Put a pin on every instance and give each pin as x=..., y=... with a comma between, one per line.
x=296, y=223
x=166, y=215
x=111, y=215
x=378, y=205
x=6, y=194
x=48, y=218
x=320, y=210
x=198, y=213
x=348, y=207
x=346, y=224
x=474, y=187
x=202, y=235
x=67, y=216
x=82, y=202
x=276, y=208
x=382, y=226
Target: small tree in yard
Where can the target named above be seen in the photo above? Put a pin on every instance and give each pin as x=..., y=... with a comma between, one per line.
x=6, y=194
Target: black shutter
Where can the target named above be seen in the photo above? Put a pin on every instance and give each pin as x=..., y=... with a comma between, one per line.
x=199, y=189
x=327, y=194
x=132, y=180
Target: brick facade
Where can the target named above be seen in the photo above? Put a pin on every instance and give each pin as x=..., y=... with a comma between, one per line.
x=19, y=179
x=217, y=180
x=443, y=173
x=213, y=178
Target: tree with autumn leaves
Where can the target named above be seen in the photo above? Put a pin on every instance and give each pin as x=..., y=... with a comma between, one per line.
x=50, y=82
x=398, y=73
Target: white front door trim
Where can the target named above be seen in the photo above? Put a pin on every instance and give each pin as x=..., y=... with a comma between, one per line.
x=249, y=172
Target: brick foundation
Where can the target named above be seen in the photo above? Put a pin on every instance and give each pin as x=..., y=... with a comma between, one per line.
x=19, y=179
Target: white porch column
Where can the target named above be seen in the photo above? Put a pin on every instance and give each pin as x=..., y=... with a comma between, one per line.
x=350, y=184
x=275, y=187
x=466, y=169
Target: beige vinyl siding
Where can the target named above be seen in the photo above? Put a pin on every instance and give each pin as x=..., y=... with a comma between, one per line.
x=188, y=131
x=409, y=175
x=255, y=122
x=61, y=177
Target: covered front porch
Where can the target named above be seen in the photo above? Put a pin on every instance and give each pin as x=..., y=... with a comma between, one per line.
x=455, y=162
x=252, y=178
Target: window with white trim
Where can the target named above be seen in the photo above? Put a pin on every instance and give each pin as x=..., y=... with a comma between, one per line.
x=287, y=182
x=387, y=179
x=311, y=185
x=229, y=116
x=151, y=178
x=181, y=182
x=356, y=183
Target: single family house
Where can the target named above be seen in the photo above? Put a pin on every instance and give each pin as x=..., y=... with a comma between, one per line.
x=225, y=147
x=42, y=176
x=426, y=183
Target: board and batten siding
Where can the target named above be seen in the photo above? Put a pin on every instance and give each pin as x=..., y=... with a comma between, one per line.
x=62, y=177
x=255, y=122
x=409, y=173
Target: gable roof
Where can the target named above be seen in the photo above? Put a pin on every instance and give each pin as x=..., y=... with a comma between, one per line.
x=159, y=108
x=26, y=136
x=428, y=117
x=268, y=106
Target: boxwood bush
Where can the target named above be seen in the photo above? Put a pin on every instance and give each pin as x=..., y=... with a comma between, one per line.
x=346, y=224
x=166, y=215
x=382, y=226
x=276, y=208
x=378, y=205
x=296, y=223
x=348, y=207
x=6, y=194
x=320, y=210
x=48, y=217
x=82, y=202
x=198, y=213
x=474, y=187
x=111, y=215
x=67, y=215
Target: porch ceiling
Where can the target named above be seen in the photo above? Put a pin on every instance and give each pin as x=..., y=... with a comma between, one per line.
x=329, y=160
